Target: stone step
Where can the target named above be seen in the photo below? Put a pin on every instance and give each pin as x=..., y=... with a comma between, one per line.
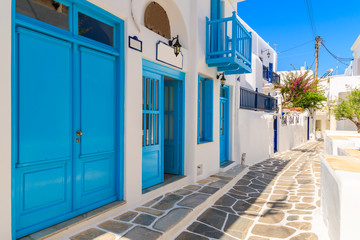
x=166, y=216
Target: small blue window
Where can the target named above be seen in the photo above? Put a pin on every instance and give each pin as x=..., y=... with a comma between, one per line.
x=91, y=28
x=205, y=110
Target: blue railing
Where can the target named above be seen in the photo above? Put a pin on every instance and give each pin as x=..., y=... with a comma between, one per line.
x=228, y=38
x=253, y=100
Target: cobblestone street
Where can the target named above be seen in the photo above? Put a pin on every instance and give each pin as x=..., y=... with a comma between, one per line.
x=277, y=199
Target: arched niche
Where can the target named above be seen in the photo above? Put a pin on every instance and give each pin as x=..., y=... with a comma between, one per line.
x=156, y=19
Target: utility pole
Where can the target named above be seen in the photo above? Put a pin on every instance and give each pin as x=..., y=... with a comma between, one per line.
x=317, y=45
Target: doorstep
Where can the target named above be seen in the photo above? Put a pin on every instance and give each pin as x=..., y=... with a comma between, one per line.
x=164, y=216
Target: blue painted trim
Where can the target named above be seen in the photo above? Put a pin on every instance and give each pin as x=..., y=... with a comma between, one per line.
x=178, y=75
x=163, y=70
x=136, y=39
x=207, y=110
x=182, y=62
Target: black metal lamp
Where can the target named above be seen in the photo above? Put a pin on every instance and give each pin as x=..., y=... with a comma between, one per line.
x=268, y=52
x=222, y=79
x=177, y=45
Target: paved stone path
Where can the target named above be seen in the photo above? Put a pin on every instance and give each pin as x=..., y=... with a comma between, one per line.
x=277, y=199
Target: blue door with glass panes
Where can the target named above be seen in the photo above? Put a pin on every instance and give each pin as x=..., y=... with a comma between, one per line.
x=224, y=124
x=171, y=127
x=66, y=101
x=152, y=122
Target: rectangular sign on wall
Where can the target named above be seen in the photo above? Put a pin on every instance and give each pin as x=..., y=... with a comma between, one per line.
x=165, y=54
x=135, y=43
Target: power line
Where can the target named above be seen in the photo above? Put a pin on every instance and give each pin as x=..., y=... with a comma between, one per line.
x=336, y=57
x=296, y=46
x=310, y=14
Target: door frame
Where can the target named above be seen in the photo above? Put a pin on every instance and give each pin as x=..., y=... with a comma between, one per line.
x=118, y=51
x=157, y=68
x=226, y=123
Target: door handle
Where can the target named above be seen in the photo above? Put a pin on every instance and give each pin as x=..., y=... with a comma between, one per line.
x=79, y=133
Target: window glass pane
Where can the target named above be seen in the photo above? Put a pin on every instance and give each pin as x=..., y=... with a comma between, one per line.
x=95, y=30
x=156, y=95
x=166, y=99
x=48, y=11
x=152, y=94
x=222, y=92
x=166, y=126
x=151, y=130
x=142, y=124
x=147, y=129
x=222, y=127
x=156, y=129
x=222, y=115
x=147, y=94
x=143, y=90
x=171, y=127
x=171, y=99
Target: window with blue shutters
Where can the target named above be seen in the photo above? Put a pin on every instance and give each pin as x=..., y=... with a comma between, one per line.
x=205, y=110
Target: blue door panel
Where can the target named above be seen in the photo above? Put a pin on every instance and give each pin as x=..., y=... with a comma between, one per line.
x=153, y=142
x=44, y=98
x=224, y=122
x=95, y=155
x=97, y=101
x=171, y=125
x=43, y=168
x=45, y=193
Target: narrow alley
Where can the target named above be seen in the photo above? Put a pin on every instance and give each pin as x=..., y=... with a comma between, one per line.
x=277, y=199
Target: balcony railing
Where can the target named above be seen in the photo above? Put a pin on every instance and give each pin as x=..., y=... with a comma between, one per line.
x=270, y=76
x=228, y=45
x=253, y=100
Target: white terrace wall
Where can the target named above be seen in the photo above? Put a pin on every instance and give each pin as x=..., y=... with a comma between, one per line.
x=255, y=133
x=292, y=135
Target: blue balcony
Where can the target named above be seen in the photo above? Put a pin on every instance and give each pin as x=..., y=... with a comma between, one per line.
x=228, y=45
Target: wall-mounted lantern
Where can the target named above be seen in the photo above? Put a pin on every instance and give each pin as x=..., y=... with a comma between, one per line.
x=268, y=52
x=222, y=79
x=176, y=45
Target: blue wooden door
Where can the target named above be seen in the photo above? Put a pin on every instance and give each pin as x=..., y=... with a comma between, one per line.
x=66, y=130
x=275, y=134
x=224, y=122
x=153, y=142
x=171, y=127
x=95, y=119
x=308, y=128
x=44, y=106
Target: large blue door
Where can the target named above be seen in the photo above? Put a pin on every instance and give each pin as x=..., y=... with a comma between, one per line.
x=224, y=124
x=95, y=129
x=44, y=161
x=153, y=141
x=66, y=130
x=172, y=127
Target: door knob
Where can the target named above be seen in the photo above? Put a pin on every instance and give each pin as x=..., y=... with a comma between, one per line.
x=79, y=133
x=78, y=140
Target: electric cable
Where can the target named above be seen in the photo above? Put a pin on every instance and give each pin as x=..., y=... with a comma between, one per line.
x=296, y=46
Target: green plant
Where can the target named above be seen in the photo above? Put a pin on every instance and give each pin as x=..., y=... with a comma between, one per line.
x=301, y=90
x=349, y=108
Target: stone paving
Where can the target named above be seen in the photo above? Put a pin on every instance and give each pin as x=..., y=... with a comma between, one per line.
x=277, y=199
x=151, y=220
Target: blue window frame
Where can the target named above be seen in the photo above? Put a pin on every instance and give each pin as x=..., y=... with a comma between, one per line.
x=205, y=110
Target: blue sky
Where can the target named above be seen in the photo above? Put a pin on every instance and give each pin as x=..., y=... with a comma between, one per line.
x=286, y=23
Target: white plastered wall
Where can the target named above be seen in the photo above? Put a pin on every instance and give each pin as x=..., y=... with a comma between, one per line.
x=5, y=119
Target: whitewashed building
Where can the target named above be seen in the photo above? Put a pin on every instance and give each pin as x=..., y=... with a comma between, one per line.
x=97, y=106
